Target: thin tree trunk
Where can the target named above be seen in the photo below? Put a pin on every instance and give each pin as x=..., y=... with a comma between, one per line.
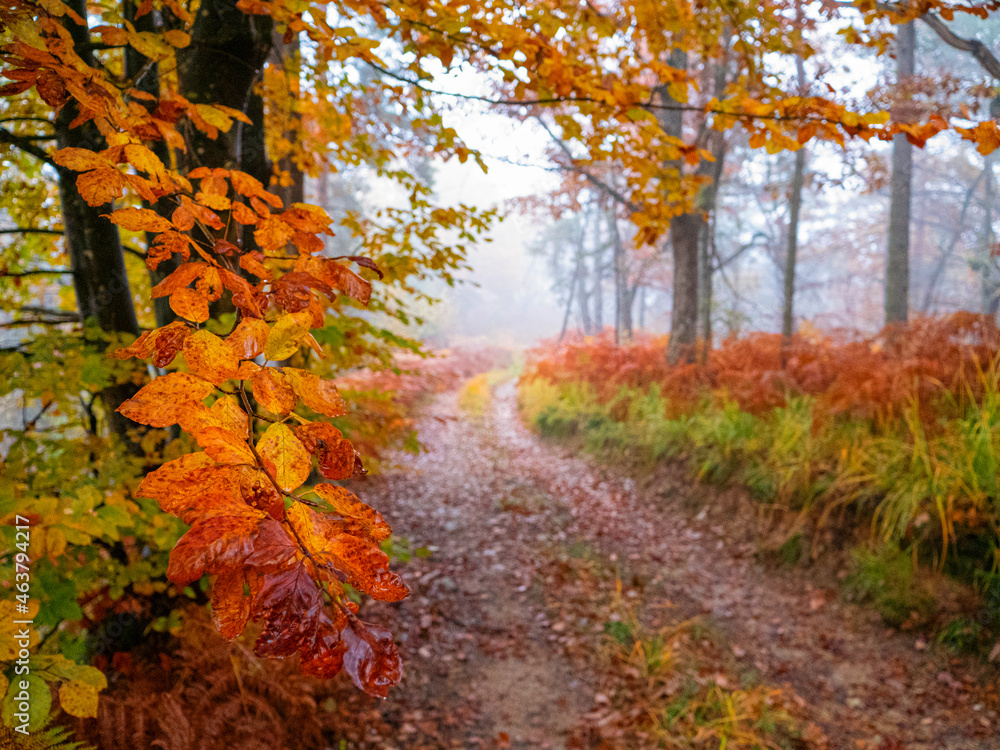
x=569, y=303
x=988, y=281
x=952, y=246
x=792, y=246
x=897, y=270
x=623, y=313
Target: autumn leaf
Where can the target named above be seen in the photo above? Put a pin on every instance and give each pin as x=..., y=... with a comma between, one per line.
x=290, y=606
x=229, y=415
x=286, y=336
x=230, y=607
x=190, y=305
x=162, y=402
x=247, y=340
x=163, y=343
x=319, y=395
x=139, y=220
x=272, y=390
x=208, y=356
x=347, y=505
x=290, y=458
x=224, y=446
x=79, y=699
x=335, y=455
x=365, y=565
x=372, y=659
x=219, y=543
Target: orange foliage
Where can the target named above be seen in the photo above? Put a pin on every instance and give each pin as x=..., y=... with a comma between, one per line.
x=873, y=378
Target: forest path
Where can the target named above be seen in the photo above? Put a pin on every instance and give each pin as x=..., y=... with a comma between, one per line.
x=503, y=638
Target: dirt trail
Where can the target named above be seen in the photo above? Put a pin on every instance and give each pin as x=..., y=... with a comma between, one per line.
x=487, y=667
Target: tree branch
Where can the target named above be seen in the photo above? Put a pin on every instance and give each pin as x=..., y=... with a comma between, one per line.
x=30, y=230
x=26, y=145
x=978, y=50
x=595, y=181
x=38, y=272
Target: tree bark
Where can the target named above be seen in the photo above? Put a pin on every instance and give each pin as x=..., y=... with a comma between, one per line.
x=286, y=57
x=146, y=75
x=221, y=66
x=792, y=246
x=684, y=232
x=897, y=270
x=94, y=245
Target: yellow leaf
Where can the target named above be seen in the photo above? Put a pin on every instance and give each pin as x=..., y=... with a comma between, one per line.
x=79, y=699
x=290, y=458
x=286, y=335
x=177, y=38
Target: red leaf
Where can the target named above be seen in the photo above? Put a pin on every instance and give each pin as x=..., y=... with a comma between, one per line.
x=334, y=454
x=372, y=659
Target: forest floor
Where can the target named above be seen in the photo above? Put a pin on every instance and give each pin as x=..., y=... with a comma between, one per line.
x=536, y=553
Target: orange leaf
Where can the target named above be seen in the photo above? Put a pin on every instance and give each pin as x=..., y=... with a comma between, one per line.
x=101, y=186
x=273, y=234
x=272, y=391
x=372, y=659
x=224, y=446
x=190, y=305
x=337, y=276
x=208, y=356
x=81, y=159
x=230, y=416
x=218, y=544
x=290, y=458
x=243, y=215
x=347, y=505
x=180, y=278
x=164, y=342
x=161, y=402
x=334, y=454
x=319, y=395
x=365, y=565
x=139, y=220
x=247, y=341
x=230, y=608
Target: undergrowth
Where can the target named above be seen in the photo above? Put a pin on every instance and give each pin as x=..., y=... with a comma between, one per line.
x=894, y=438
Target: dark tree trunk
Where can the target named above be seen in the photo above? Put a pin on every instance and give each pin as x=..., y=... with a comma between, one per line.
x=897, y=269
x=145, y=73
x=94, y=246
x=286, y=57
x=221, y=66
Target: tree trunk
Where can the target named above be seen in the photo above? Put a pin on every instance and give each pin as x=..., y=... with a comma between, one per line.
x=582, y=295
x=989, y=286
x=897, y=269
x=139, y=68
x=792, y=246
x=684, y=232
x=222, y=65
x=94, y=245
x=623, y=312
x=286, y=57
